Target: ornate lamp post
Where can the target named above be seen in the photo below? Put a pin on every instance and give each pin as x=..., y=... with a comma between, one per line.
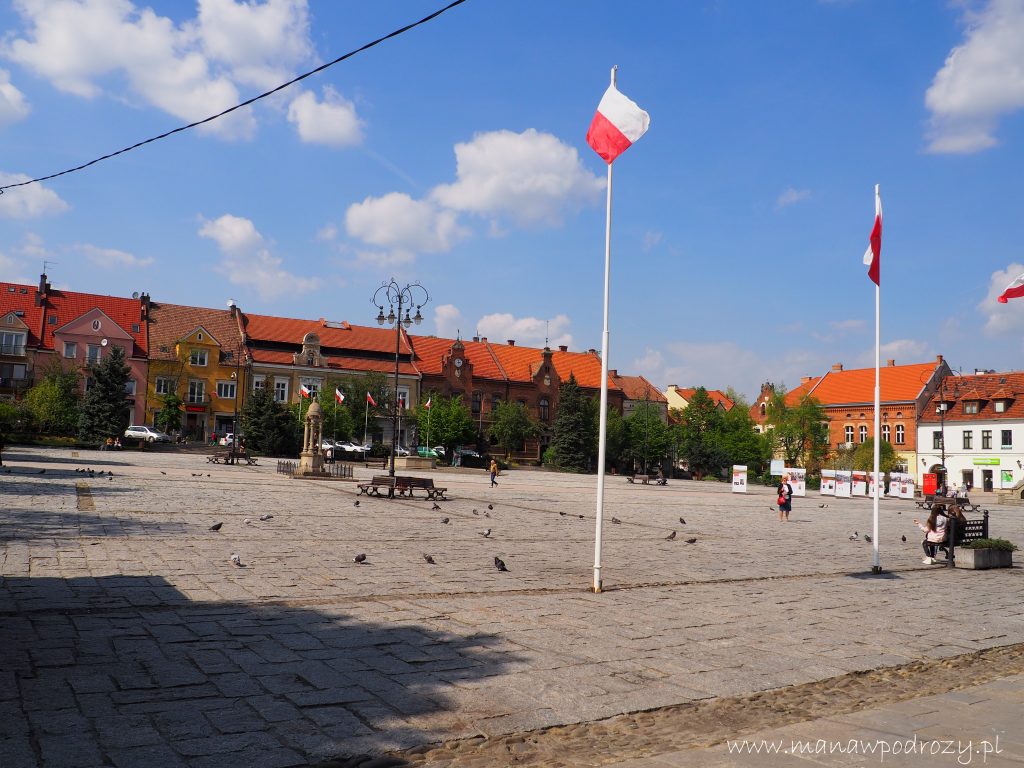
x=401, y=296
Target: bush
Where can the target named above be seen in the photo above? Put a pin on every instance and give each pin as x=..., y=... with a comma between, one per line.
x=1001, y=544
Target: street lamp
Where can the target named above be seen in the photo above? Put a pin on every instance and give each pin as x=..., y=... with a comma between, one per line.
x=401, y=296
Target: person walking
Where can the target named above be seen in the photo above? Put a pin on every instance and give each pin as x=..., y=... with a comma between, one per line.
x=494, y=472
x=785, y=499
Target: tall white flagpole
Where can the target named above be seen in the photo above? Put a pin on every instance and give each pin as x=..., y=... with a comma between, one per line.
x=876, y=566
x=602, y=440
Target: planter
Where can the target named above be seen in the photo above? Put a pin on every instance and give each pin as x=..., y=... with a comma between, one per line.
x=978, y=559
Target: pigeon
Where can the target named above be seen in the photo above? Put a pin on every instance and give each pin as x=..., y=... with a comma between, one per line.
x=429, y=559
x=162, y=472
x=499, y=564
x=247, y=521
x=42, y=471
x=855, y=536
x=216, y=526
x=867, y=538
x=264, y=518
x=206, y=475
x=681, y=521
x=903, y=539
x=444, y=520
x=822, y=506
x=561, y=514
x=486, y=533
x=490, y=506
x=477, y=513
x=487, y=514
x=360, y=558
x=772, y=508
x=436, y=506
x=355, y=503
x=110, y=479
x=671, y=536
x=109, y=473
x=236, y=560
x=691, y=541
x=616, y=521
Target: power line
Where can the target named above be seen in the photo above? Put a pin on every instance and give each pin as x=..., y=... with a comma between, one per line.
x=246, y=103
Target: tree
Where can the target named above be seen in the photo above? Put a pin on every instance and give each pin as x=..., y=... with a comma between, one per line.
x=511, y=426
x=647, y=436
x=105, y=412
x=615, y=436
x=338, y=421
x=451, y=423
x=742, y=443
x=573, y=432
x=700, y=441
x=800, y=431
x=864, y=456
x=54, y=401
x=169, y=418
x=269, y=427
x=359, y=408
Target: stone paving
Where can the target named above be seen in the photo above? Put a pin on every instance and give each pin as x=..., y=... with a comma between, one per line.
x=128, y=638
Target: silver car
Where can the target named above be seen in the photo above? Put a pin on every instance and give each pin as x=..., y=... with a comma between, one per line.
x=148, y=434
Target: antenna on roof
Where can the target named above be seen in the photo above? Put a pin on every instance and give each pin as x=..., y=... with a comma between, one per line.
x=47, y=264
x=135, y=294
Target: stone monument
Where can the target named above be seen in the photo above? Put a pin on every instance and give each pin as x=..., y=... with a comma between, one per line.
x=311, y=460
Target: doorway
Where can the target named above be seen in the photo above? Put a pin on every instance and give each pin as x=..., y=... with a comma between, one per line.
x=967, y=476
x=986, y=480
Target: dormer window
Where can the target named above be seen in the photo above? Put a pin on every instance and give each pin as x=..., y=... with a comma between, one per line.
x=971, y=406
x=1000, y=406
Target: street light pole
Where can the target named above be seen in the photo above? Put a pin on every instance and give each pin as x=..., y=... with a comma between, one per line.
x=402, y=296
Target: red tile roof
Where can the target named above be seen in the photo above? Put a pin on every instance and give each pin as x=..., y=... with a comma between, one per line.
x=717, y=397
x=983, y=389
x=898, y=383
x=21, y=298
x=337, y=362
x=333, y=335
x=172, y=322
x=639, y=388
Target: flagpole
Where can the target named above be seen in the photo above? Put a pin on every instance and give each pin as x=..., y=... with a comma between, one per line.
x=366, y=418
x=603, y=424
x=876, y=566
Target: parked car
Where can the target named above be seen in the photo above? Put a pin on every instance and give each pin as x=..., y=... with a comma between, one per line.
x=427, y=453
x=148, y=434
x=467, y=453
x=328, y=444
x=350, y=448
x=400, y=451
x=229, y=439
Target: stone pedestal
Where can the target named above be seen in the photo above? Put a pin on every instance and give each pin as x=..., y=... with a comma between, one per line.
x=311, y=460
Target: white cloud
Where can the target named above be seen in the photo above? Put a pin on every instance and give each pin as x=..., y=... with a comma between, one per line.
x=30, y=201
x=981, y=80
x=333, y=121
x=530, y=177
x=847, y=325
x=13, y=106
x=247, y=261
x=651, y=240
x=529, y=331
x=189, y=70
x=327, y=233
x=791, y=196
x=403, y=226
x=1000, y=318
x=447, y=321
x=111, y=258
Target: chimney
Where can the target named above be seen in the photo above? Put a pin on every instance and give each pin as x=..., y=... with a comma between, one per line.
x=144, y=301
x=613, y=372
x=591, y=351
x=476, y=338
x=511, y=342
x=563, y=348
x=938, y=359
x=837, y=367
x=483, y=339
x=43, y=291
x=891, y=363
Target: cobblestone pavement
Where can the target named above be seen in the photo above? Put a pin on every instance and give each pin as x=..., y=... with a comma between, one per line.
x=128, y=638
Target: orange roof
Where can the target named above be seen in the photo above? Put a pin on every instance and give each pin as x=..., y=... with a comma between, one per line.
x=982, y=390
x=898, y=384
x=337, y=362
x=717, y=397
x=21, y=298
x=333, y=335
x=794, y=396
x=66, y=306
x=639, y=388
x=584, y=366
x=171, y=322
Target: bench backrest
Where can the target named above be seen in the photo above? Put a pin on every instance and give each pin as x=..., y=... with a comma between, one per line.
x=970, y=530
x=414, y=482
x=383, y=480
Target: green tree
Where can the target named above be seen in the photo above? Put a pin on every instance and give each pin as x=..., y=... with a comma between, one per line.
x=574, y=430
x=269, y=427
x=54, y=401
x=648, y=440
x=742, y=443
x=616, y=437
x=338, y=421
x=363, y=415
x=169, y=418
x=105, y=412
x=799, y=431
x=864, y=456
x=700, y=439
x=511, y=426
x=450, y=422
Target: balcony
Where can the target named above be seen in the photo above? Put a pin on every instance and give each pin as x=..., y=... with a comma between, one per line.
x=12, y=350
x=9, y=383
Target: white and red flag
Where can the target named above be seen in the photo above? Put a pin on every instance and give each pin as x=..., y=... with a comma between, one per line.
x=873, y=255
x=370, y=400
x=339, y=396
x=617, y=125
x=427, y=404
x=1013, y=291
x=305, y=391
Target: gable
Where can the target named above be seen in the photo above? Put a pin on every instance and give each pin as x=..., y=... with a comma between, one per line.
x=12, y=322
x=96, y=323
x=199, y=335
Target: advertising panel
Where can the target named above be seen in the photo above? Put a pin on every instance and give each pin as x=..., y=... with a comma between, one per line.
x=860, y=483
x=844, y=484
x=798, y=479
x=739, y=478
x=828, y=482
x=906, y=487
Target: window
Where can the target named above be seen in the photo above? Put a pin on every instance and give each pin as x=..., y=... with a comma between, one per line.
x=70, y=350
x=900, y=434
x=13, y=371
x=281, y=390
x=164, y=386
x=1000, y=406
x=226, y=390
x=971, y=406
x=849, y=434
x=863, y=433
x=313, y=385
x=403, y=397
x=764, y=409
x=937, y=440
x=129, y=387
x=258, y=382
x=196, y=391
x=197, y=357
x=886, y=432
x=986, y=439
x=88, y=383
x=12, y=343
x=968, y=439
x=475, y=406
x=51, y=320
x=544, y=409
x=93, y=353
x=1006, y=438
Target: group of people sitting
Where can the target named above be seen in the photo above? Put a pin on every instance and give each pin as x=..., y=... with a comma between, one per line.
x=936, y=529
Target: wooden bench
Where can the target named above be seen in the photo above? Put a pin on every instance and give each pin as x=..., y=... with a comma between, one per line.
x=645, y=479
x=405, y=484
x=382, y=462
x=373, y=487
x=958, y=534
x=961, y=501
x=231, y=457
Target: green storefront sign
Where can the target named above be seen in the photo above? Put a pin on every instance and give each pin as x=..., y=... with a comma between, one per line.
x=993, y=462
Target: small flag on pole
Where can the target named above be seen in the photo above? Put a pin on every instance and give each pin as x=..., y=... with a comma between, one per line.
x=1013, y=291
x=305, y=391
x=370, y=400
x=339, y=396
x=617, y=125
x=401, y=401
x=873, y=255
x=427, y=404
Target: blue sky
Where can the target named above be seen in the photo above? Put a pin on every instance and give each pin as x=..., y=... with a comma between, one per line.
x=455, y=155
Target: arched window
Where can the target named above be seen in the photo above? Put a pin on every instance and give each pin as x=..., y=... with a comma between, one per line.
x=543, y=408
x=764, y=408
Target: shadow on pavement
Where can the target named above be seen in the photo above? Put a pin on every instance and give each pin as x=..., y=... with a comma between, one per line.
x=126, y=671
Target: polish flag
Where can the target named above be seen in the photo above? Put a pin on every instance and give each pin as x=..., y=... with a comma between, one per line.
x=370, y=400
x=616, y=126
x=873, y=255
x=1013, y=291
x=339, y=396
x=427, y=404
x=305, y=391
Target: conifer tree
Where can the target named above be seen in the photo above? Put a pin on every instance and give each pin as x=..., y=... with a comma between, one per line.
x=105, y=412
x=572, y=436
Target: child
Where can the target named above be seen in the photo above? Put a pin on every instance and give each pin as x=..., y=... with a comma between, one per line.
x=935, y=533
